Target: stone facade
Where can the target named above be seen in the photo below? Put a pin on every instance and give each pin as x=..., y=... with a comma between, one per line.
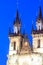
x=20, y=51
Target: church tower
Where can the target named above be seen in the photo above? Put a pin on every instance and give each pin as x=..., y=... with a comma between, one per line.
x=37, y=34
x=17, y=24
x=19, y=47
x=15, y=39
x=20, y=51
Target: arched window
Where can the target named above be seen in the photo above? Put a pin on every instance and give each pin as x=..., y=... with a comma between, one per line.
x=14, y=45
x=21, y=45
x=38, y=43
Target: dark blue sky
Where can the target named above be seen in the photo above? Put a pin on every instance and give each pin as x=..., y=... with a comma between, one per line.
x=28, y=10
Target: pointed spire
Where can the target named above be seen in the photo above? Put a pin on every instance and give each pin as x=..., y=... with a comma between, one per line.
x=17, y=20
x=40, y=13
x=17, y=16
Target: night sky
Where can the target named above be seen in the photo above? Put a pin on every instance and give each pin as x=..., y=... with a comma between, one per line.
x=28, y=12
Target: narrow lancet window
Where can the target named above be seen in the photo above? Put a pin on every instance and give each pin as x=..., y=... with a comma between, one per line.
x=21, y=45
x=38, y=43
x=14, y=45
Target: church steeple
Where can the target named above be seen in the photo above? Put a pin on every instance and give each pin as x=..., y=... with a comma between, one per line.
x=39, y=20
x=40, y=13
x=17, y=24
x=17, y=20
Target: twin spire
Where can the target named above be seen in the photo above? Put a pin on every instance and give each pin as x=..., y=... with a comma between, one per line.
x=17, y=20
x=40, y=13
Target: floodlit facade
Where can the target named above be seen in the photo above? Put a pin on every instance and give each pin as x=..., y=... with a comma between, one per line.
x=20, y=51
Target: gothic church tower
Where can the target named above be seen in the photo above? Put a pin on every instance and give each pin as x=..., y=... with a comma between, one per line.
x=19, y=45
x=37, y=34
x=15, y=41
